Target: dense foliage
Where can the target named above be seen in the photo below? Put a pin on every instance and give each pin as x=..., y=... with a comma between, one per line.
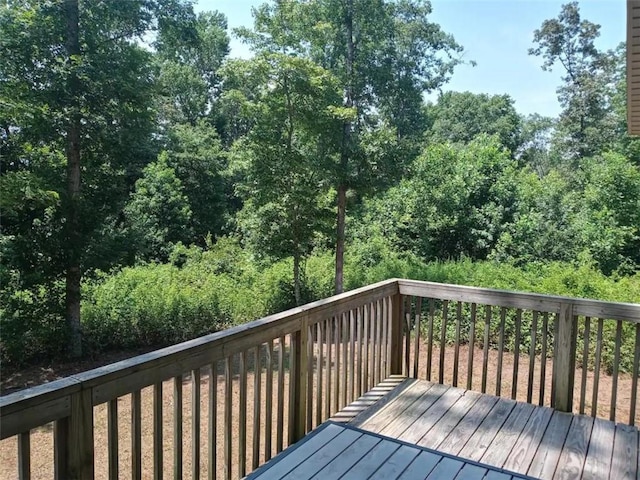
x=181, y=191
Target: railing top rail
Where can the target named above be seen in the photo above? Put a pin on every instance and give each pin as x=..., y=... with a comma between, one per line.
x=122, y=377
x=532, y=301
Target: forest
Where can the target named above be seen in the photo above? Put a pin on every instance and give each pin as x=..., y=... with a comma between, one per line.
x=154, y=189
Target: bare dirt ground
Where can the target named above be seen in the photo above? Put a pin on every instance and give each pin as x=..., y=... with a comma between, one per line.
x=42, y=438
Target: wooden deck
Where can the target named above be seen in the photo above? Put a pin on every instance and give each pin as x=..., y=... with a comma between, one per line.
x=530, y=440
x=338, y=451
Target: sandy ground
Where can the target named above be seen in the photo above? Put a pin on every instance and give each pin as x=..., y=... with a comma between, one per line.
x=42, y=438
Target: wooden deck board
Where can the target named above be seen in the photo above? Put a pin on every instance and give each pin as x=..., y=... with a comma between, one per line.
x=526, y=446
x=498, y=452
x=574, y=451
x=517, y=437
x=625, y=452
x=598, y=462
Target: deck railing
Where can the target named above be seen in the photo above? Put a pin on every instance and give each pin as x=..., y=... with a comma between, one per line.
x=245, y=393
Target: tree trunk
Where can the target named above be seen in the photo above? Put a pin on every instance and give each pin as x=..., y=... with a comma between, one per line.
x=346, y=146
x=296, y=279
x=72, y=224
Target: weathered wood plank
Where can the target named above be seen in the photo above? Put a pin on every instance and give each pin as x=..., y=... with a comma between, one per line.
x=177, y=427
x=112, y=438
x=280, y=409
x=516, y=354
x=457, y=439
x=449, y=421
x=257, y=402
x=614, y=374
x=212, y=430
x=268, y=408
x=532, y=356
x=575, y=447
x=443, y=339
x=485, y=347
x=598, y=461
x=382, y=418
x=505, y=439
x=543, y=357
x=477, y=445
x=415, y=410
x=228, y=418
x=195, y=424
x=596, y=368
x=625, y=453
x=429, y=417
x=527, y=443
x=546, y=458
x=456, y=347
x=585, y=364
x=472, y=344
x=416, y=345
x=503, y=313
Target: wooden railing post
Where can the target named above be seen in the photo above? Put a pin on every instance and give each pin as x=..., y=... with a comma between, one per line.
x=73, y=440
x=298, y=377
x=564, y=359
x=395, y=338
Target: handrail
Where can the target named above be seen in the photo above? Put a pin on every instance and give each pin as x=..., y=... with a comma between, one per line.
x=337, y=348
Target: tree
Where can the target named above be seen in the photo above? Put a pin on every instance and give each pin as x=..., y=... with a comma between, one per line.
x=535, y=149
x=78, y=90
x=586, y=126
x=158, y=211
x=284, y=185
x=460, y=116
x=455, y=202
x=385, y=55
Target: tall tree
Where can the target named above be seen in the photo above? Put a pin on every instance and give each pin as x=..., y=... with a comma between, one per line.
x=78, y=86
x=587, y=124
x=289, y=101
x=385, y=55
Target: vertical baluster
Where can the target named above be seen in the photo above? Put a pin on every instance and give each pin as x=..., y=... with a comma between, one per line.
x=320, y=333
x=472, y=343
x=585, y=364
x=416, y=348
x=158, y=445
x=443, y=338
x=242, y=416
x=432, y=313
x=616, y=362
x=329, y=336
x=310, y=369
x=112, y=441
x=195, y=424
x=268, y=421
x=634, y=378
x=280, y=416
x=378, y=341
x=294, y=377
x=24, y=456
x=136, y=435
x=177, y=427
x=408, y=300
x=336, y=376
x=503, y=313
x=372, y=346
x=361, y=359
x=352, y=355
x=596, y=368
x=516, y=355
x=543, y=357
x=456, y=350
x=212, y=431
x=485, y=346
x=532, y=355
x=365, y=340
x=228, y=418
x=345, y=358
x=257, y=402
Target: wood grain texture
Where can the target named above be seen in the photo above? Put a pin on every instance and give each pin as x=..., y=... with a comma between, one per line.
x=574, y=451
x=624, y=465
x=545, y=460
x=525, y=447
x=507, y=436
x=598, y=462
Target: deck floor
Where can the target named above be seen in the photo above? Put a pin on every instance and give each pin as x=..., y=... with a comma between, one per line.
x=535, y=441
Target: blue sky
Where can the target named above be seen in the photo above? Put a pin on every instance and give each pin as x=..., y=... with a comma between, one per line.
x=496, y=34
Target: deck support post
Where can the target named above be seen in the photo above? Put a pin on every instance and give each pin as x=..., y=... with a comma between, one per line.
x=299, y=374
x=564, y=359
x=73, y=440
x=395, y=338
